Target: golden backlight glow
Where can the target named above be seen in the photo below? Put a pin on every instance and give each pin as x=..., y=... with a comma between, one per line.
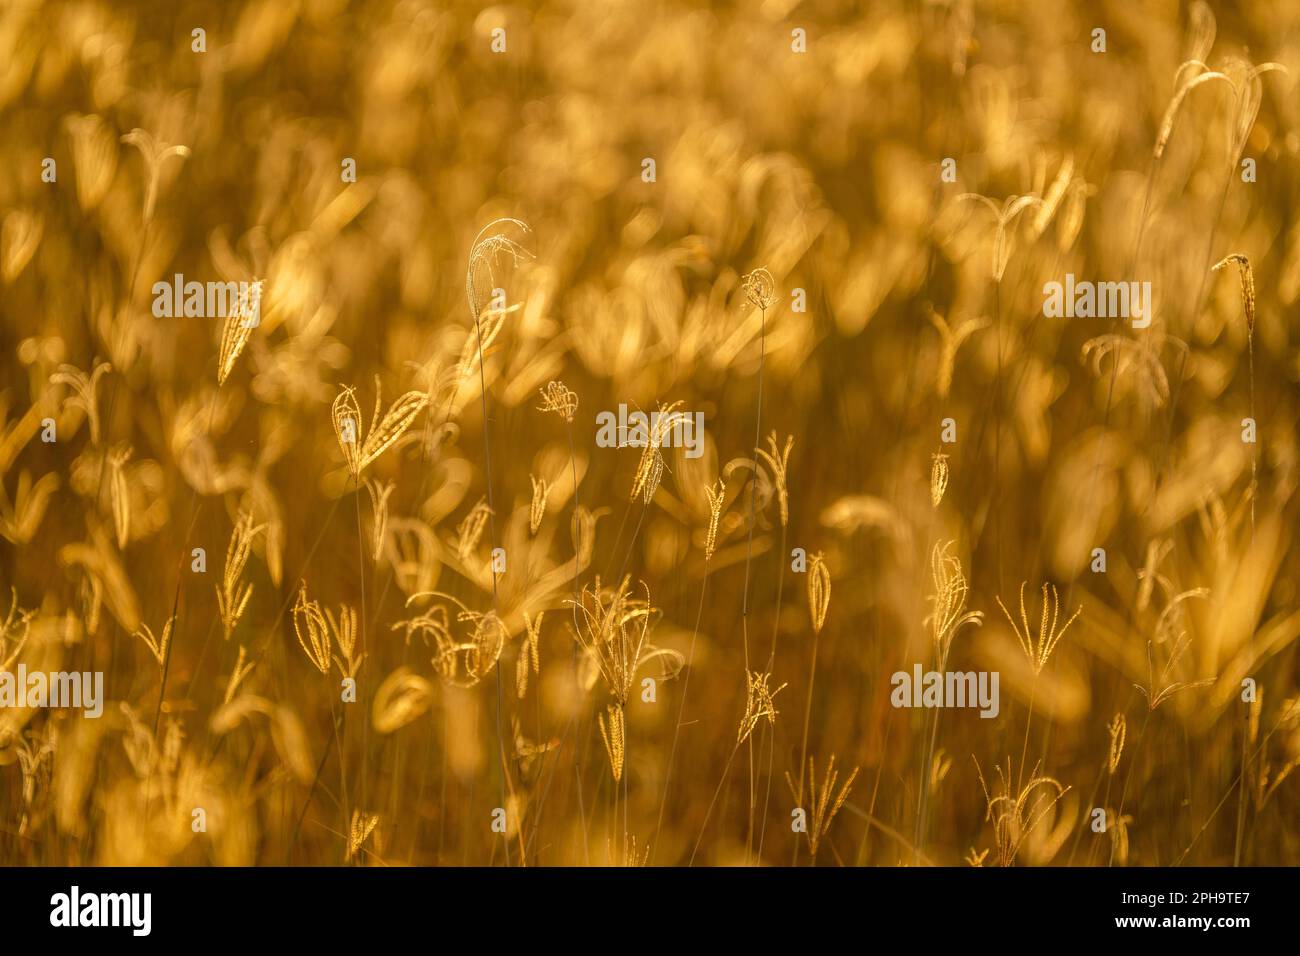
x=583, y=434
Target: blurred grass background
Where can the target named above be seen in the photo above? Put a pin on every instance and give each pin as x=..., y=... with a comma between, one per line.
x=822, y=167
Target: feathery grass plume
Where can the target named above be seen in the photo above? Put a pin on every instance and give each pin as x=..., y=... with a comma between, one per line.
x=1154, y=697
x=483, y=252
x=759, y=704
x=826, y=803
x=1247, y=276
x=949, y=599
x=1016, y=815
x=401, y=698
x=649, y=473
x=237, y=676
x=363, y=824
x=614, y=733
x=1011, y=207
x=379, y=492
x=157, y=646
x=1118, y=730
x=715, y=493
x=84, y=391
x=613, y=627
x=483, y=649
x=528, y=658
x=460, y=662
x=154, y=152
x=1188, y=77
x=650, y=469
x=819, y=591
x=777, y=462
x=759, y=288
x=312, y=628
x=557, y=398
x=396, y=420
x=344, y=628
x=345, y=413
x=433, y=626
x=1137, y=362
x=950, y=340
x=119, y=493
x=938, y=477
x=1038, y=646
x=238, y=327
x=537, y=508
x=470, y=530
x=232, y=599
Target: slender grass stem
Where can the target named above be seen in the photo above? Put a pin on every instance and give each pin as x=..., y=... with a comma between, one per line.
x=807, y=719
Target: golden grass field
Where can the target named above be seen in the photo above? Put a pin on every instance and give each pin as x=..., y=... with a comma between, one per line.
x=643, y=675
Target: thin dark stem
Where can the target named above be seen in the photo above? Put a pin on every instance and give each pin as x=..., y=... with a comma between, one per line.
x=492, y=541
x=361, y=576
x=712, y=803
x=749, y=551
x=771, y=664
x=1128, y=778
x=311, y=791
x=681, y=708
x=807, y=718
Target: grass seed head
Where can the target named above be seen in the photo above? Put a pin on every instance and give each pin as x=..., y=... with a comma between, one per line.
x=819, y=591
x=777, y=463
x=559, y=399
x=1247, y=276
x=759, y=704
x=312, y=630
x=1118, y=730
x=938, y=478
x=1039, y=644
